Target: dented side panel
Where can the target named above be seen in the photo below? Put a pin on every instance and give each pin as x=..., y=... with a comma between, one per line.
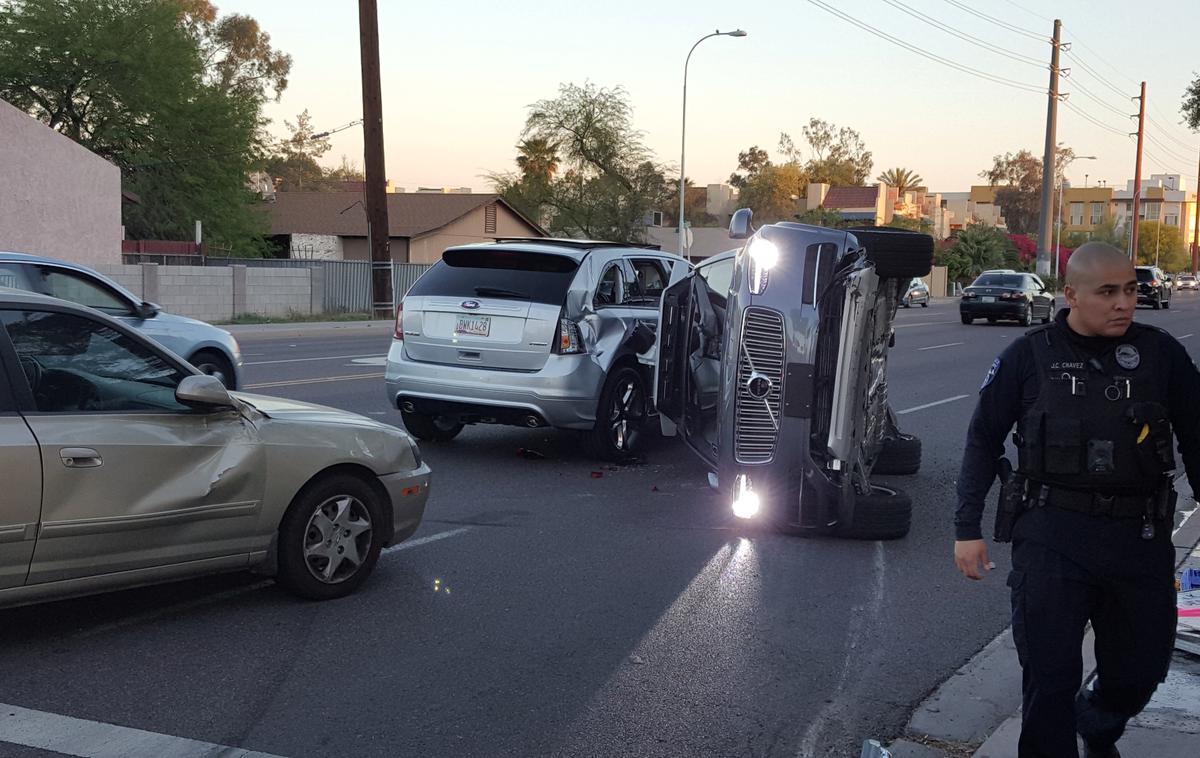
x=162, y=489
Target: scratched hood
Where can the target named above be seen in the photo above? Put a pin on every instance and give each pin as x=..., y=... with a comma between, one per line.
x=283, y=409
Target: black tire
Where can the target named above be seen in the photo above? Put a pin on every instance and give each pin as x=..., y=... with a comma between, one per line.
x=897, y=253
x=430, y=428
x=300, y=532
x=925, y=304
x=967, y=319
x=1167, y=303
x=900, y=456
x=1026, y=318
x=884, y=514
x=620, y=416
x=215, y=364
x=1158, y=303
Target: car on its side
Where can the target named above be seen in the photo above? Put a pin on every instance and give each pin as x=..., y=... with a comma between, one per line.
x=772, y=364
x=918, y=294
x=533, y=333
x=212, y=350
x=122, y=465
x=1153, y=289
x=1187, y=282
x=1007, y=296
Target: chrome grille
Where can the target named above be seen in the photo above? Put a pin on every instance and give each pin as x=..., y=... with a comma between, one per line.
x=756, y=425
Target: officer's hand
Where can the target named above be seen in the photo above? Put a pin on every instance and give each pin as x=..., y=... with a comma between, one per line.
x=970, y=556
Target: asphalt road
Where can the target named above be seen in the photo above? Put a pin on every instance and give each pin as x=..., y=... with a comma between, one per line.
x=542, y=611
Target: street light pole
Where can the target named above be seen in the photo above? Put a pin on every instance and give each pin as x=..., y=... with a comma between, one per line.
x=683, y=130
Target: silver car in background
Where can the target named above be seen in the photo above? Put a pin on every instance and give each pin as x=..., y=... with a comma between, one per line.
x=532, y=333
x=212, y=350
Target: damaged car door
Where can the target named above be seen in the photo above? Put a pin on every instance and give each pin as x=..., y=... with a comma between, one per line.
x=691, y=342
x=133, y=479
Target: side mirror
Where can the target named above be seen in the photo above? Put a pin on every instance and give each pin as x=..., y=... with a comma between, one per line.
x=740, y=227
x=203, y=390
x=147, y=310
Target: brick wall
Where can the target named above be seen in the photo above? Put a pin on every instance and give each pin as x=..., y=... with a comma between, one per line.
x=218, y=293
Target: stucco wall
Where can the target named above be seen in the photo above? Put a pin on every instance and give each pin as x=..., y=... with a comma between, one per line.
x=58, y=198
x=468, y=229
x=320, y=247
x=359, y=249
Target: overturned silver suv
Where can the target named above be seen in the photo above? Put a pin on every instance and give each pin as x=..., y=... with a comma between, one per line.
x=772, y=366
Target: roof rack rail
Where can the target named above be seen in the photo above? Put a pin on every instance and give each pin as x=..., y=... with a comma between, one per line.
x=577, y=243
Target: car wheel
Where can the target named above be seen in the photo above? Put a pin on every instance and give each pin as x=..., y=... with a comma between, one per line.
x=896, y=253
x=1026, y=316
x=925, y=304
x=1158, y=303
x=967, y=320
x=883, y=514
x=1167, y=303
x=620, y=415
x=900, y=456
x=330, y=538
x=431, y=428
x=214, y=364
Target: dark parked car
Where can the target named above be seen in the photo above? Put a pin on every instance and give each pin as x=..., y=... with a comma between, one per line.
x=918, y=294
x=1000, y=296
x=1153, y=289
x=772, y=365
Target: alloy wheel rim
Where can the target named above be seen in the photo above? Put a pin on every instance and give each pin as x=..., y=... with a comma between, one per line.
x=337, y=539
x=625, y=415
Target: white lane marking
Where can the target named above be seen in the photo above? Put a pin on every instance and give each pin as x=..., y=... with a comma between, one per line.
x=315, y=358
x=862, y=620
x=426, y=540
x=96, y=739
x=936, y=347
x=173, y=609
x=930, y=405
x=921, y=323
x=374, y=360
x=290, y=382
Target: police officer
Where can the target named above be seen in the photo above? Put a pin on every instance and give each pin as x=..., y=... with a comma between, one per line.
x=1095, y=399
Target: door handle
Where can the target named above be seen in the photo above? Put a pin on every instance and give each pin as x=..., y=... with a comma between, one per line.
x=80, y=457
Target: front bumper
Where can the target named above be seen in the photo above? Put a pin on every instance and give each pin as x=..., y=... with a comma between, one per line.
x=564, y=393
x=1007, y=309
x=409, y=492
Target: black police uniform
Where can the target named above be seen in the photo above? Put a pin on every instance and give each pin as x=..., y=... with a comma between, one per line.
x=1093, y=441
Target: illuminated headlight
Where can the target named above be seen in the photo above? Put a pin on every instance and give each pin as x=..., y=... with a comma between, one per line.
x=763, y=257
x=745, y=500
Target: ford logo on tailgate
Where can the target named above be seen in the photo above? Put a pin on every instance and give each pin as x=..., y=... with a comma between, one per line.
x=471, y=305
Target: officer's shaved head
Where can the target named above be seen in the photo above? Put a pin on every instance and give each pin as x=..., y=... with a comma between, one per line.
x=1093, y=258
x=1101, y=290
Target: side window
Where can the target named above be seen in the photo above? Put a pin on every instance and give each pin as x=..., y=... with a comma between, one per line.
x=78, y=288
x=719, y=276
x=650, y=279
x=13, y=275
x=74, y=364
x=611, y=290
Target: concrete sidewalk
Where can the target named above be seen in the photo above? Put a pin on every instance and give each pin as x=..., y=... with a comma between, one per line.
x=977, y=712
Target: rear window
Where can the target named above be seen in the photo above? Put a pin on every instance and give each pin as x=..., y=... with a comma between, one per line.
x=511, y=274
x=1144, y=274
x=1013, y=281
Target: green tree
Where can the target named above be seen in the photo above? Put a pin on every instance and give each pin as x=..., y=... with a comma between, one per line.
x=1108, y=231
x=823, y=217
x=537, y=159
x=154, y=87
x=347, y=171
x=1018, y=178
x=922, y=225
x=977, y=248
x=774, y=193
x=1162, y=245
x=1191, y=104
x=750, y=164
x=900, y=178
x=839, y=155
x=294, y=165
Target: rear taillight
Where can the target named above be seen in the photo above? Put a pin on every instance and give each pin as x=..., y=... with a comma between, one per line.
x=569, y=340
x=1013, y=296
x=1154, y=283
x=399, y=333
x=968, y=295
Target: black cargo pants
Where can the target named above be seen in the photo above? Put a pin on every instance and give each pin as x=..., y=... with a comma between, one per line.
x=1133, y=617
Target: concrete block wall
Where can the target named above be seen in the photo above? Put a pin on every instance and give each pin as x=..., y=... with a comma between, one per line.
x=276, y=291
x=129, y=277
x=203, y=292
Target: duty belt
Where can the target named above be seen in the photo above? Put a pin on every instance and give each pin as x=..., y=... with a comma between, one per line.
x=1091, y=503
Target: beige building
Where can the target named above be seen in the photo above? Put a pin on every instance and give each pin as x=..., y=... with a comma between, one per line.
x=874, y=205
x=58, y=198
x=333, y=225
x=1166, y=198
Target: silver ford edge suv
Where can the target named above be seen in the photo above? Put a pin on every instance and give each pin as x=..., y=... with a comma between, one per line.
x=772, y=366
x=531, y=333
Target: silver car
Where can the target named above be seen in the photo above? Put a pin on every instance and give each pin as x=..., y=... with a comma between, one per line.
x=122, y=466
x=212, y=350
x=531, y=333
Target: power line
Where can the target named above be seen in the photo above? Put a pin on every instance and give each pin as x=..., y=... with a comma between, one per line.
x=1161, y=163
x=931, y=56
x=1096, y=75
x=1032, y=13
x=999, y=22
x=978, y=42
x=1165, y=133
x=1081, y=112
x=1075, y=85
x=1169, y=151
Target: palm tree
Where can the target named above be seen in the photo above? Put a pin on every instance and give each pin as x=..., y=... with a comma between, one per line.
x=901, y=178
x=538, y=158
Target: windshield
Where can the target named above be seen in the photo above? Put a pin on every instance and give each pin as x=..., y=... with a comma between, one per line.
x=509, y=274
x=1012, y=281
x=1144, y=274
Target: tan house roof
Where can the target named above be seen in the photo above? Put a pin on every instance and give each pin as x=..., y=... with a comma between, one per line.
x=850, y=197
x=341, y=214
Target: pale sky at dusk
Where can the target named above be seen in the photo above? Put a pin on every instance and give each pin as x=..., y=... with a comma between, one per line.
x=458, y=77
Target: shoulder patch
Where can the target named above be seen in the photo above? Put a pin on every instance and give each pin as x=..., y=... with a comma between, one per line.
x=991, y=375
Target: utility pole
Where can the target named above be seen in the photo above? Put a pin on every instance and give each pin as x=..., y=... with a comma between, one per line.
x=1196, y=226
x=1137, y=175
x=375, y=185
x=1046, y=228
